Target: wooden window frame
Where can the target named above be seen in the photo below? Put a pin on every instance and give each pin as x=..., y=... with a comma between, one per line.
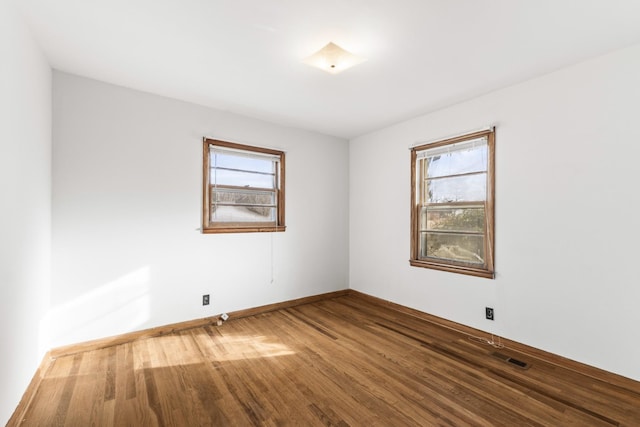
x=241, y=227
x=486, y=270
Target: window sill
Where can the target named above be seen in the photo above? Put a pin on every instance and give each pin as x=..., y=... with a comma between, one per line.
x=220, y=230
x=470, y=271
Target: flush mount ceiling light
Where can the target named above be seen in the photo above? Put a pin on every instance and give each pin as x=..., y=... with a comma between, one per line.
x=333, y=59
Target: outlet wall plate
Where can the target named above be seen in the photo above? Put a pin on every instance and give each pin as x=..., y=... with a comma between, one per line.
x=488, y=313
x=205, y=299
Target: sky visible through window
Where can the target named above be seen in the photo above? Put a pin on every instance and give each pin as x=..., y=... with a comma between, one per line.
x=252, y=172
x=447, y=188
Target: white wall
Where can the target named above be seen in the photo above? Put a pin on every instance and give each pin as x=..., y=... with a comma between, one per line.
x=25, y=213
x=126, y=208
x=567, y=200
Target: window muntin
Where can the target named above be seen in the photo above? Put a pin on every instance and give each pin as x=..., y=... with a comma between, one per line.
x=452, y=204
x=243, y=188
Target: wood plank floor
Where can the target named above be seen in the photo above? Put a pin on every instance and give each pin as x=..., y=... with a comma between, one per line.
x=337, y=362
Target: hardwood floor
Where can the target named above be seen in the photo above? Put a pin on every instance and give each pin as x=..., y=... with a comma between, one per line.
x=342, y=361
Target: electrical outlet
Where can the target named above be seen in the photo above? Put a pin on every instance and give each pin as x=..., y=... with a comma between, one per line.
x=488, y=313
x=205, y=299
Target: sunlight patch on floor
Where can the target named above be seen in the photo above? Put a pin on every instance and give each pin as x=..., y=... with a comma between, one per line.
x=188, y=349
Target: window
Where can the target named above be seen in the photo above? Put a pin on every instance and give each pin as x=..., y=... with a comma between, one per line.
x=243, y=188
x=452, y=187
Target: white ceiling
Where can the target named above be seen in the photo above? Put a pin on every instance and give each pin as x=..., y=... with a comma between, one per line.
x=245, y=56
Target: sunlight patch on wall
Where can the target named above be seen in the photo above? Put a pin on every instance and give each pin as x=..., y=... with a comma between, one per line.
x=119, y=306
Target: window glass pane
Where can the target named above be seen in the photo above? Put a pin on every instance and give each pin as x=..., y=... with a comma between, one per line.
x=239, y=197
x=471, y=159
x=468, y=188
x=455, y=247
x=241, y=179
x=246, y=163
x=242, y=214
x=452, y=219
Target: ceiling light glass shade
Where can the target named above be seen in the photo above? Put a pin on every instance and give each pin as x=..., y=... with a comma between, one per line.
x=333, y=59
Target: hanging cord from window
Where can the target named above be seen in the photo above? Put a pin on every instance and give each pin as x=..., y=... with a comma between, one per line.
x=272, y=256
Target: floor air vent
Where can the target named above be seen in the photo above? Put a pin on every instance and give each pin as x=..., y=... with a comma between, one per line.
x=511, y=360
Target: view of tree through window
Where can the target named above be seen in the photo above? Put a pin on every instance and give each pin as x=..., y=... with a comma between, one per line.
x=243, y=188
x=452, y=218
